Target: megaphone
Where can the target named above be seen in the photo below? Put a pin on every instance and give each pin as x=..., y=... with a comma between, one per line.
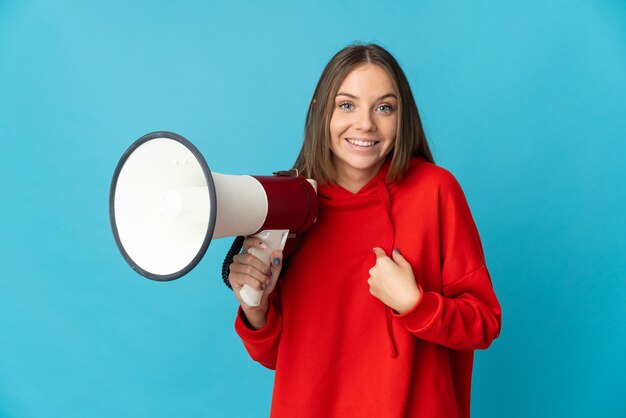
x=165, y=207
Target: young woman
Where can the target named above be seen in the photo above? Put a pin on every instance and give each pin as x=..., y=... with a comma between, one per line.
x=388, y=294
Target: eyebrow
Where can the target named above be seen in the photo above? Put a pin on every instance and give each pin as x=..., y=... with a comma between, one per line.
x=352, y=96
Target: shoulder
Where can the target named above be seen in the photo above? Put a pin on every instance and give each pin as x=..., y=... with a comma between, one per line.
x=428, y=177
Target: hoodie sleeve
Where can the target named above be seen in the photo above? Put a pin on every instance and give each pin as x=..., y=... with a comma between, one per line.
x=466, y=315
x=262, y=344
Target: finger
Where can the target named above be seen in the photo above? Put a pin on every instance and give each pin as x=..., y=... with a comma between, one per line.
x=276, y=261
x=237, y=281
x=249, y=271
x=379, y=252
x=250, y=260
x=370, y=283
x=382, y=260
x=253, y=241
x=399, y=258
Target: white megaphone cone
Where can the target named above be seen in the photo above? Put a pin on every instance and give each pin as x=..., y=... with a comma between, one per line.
x=166, y=206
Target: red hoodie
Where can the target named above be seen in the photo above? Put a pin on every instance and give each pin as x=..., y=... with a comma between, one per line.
x=337, y=350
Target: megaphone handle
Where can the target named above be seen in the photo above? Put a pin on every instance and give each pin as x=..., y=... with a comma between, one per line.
x=275, y=240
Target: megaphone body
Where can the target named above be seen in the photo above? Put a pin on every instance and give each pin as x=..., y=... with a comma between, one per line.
x=166, y=206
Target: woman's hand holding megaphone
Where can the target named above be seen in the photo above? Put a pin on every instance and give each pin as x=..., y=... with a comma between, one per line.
x=248, y=271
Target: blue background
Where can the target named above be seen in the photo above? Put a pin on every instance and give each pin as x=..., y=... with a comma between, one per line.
x=524, y=102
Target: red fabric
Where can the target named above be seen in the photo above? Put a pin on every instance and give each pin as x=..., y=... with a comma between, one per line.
x=337, y=350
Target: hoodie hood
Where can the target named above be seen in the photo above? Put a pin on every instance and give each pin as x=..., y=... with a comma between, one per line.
x=334, y=192
x=376, y=193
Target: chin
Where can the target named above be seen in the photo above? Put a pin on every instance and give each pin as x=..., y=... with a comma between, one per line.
x=363, y=163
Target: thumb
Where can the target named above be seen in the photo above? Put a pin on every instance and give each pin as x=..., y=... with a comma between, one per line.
x=399, y=258
x=276, y=260
x=276, y=265
x=379, y=252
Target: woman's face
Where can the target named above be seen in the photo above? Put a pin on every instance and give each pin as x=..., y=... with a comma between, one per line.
x=363, y=123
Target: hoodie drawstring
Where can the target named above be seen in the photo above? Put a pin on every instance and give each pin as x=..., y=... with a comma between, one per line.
x=383, y=194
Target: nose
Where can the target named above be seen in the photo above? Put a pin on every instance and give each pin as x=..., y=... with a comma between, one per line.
x=365, y=121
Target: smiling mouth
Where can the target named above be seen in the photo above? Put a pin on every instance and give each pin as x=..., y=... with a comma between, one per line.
x=362, y=142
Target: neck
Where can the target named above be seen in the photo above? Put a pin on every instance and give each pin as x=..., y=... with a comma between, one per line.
x=353, y=179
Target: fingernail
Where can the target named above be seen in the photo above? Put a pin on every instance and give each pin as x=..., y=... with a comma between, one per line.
x=263, y=245
x=276, y=261
x=395, y=250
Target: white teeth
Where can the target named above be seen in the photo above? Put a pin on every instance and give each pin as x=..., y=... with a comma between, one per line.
x=361, y=143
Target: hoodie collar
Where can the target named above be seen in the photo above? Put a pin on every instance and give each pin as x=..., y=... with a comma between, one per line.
x=336, y=192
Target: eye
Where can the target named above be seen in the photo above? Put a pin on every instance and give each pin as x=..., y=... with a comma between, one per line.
x=385, y=108
x=346, y=106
